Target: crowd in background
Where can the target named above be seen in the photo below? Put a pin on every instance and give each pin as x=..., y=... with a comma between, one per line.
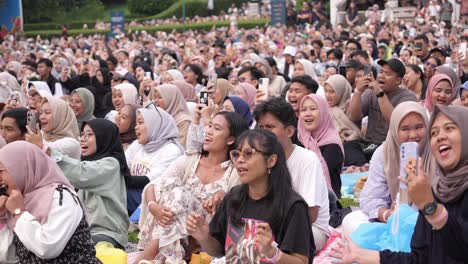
x=234, y=141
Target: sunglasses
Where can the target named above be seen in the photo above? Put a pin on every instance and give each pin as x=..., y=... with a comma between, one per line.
x=245, y=153
x=433, y=66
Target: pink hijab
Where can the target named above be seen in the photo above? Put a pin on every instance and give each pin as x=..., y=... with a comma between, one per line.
x=250, y=91
x=190, y=95
x=432, y=83
x=326, y=134
x=36, y=178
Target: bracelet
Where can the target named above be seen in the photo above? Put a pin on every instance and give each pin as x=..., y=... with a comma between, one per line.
x=439, y=219
x=150, y=203
x=276, y=258
x=385, y=215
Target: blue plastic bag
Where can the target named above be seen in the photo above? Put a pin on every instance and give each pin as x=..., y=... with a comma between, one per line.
x=378, y=236
x=135, y=217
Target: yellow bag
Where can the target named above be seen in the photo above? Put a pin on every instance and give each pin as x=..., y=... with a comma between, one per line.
x=107, y=254
x=201, y=258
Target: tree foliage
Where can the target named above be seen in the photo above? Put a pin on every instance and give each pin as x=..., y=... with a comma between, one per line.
x=145, y=7
x=59, y=10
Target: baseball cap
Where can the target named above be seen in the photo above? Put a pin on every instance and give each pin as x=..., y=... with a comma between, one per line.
x=437, y=49
x=290, y=50
x=396, y=65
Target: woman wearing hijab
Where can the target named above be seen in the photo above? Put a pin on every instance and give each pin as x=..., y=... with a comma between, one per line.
x=126, y=122
x=100, y=178
x=122, y=94
x=440, y=232
x=41, y=219
x=187, y=91
x=154, y=150
x=247, y=92
x=236, y=104
x=188, y=186
x=170, y=99
x=463, y=94
x=172, y=75
x=82, y=103
x=317, y=132
x=59, y=128
x=276, y=82
x=439, y=92
x=305, y=67
x=102, y=92
x=408, y=123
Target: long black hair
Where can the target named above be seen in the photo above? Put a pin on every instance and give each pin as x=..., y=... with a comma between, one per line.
x=279, y=180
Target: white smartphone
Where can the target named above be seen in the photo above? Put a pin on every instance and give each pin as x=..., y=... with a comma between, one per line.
x=409, y=152
x=212, y=81
x=263, y=84
x=462, y=50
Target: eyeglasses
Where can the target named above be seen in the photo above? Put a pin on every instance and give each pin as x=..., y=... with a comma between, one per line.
x=86, y=136
x=246, y=153
x=433, y=66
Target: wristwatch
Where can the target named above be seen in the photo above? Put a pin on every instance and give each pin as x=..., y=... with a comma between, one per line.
x=380, y=94
x=430, y=208
x=17, y=211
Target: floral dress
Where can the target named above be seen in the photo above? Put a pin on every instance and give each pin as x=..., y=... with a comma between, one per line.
x=184, y=195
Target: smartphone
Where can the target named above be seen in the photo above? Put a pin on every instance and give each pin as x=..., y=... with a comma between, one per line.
x=140, y=99
x=414, y=60
x=212, y=81
x=14, y=98
x=418, y=46
x=312, y=53
x=409, y=152
x=342, y=70
x=462, y=50
x=367, y=70
x=263, y=84
x=3, y=190
x=148, y=76
x=204, y=97
x=32, y=120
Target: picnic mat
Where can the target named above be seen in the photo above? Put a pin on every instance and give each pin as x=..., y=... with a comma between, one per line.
x=323, y=257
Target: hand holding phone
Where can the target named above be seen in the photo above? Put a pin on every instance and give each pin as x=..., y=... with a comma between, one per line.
x=204, y=98
x=409, y=153
x=263, y=84
x=33, y=120
x=212, y=79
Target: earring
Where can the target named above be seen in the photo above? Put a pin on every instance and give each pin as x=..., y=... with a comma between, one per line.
x=269, y=171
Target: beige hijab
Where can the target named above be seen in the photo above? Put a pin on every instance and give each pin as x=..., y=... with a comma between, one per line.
x=65, y=124
x=176, y=105
x=392, y=146
x=348, y=130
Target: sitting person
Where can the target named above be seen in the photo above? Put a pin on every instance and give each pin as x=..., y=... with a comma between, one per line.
x=185, y=187
x=408, y=123
x=82, y=104
x=440, y=232
x=439, y=92
x=247, y=92
x=154, y=150
x=126, y=122
x=338, y=92
x=122, y=94
x=277, y=116
x=238, y=105
x=41, y=219
x=59, y=127
x=317, y=132
x=100, y=177
x=171, y=99
x=263, y=219
x=13, y=124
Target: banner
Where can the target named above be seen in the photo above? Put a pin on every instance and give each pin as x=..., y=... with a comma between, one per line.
x=278, y=12
x=11, y=17
x=117, y=19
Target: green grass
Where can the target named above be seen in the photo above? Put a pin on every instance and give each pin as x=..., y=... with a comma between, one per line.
x=347, y=202
x=133, y=236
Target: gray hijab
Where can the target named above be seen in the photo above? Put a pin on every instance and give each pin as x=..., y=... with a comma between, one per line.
x=453, y=76
x=451, y=185
x=161, y=128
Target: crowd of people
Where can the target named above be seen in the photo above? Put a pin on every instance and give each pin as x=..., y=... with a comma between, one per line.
x=233, y=141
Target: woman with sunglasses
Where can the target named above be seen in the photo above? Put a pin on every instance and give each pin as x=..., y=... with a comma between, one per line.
x=193, y=183
x=439, y=92
x=263, y=219
x=429, y=67
x=154, y=150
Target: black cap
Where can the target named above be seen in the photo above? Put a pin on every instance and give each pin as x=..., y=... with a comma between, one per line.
x=396, y=65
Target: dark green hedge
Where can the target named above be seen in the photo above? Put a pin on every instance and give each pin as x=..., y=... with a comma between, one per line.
x=167, y=28
x=146, y=7
x=193, y=8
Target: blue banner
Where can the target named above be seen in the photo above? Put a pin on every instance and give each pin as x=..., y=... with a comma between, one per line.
x=278, y=12
x=11, y=17
x=117, y=19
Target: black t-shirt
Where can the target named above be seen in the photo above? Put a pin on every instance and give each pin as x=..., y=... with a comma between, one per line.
x=334, y=158
x=293, y=236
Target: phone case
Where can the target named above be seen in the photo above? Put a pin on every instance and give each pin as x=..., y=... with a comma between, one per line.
x=204, y=98
x=409, y=151
x=263, y=86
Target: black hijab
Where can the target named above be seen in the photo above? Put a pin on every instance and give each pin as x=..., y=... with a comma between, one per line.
x=108, y=143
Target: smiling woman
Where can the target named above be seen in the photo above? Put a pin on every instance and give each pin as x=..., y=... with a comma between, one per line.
x=82, y=104
x=439, y=92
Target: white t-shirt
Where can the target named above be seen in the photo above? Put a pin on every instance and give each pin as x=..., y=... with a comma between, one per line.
x=308, y=180
x=152, y=165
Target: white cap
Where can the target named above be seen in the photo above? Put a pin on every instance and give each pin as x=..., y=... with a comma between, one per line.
x=290, y=50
